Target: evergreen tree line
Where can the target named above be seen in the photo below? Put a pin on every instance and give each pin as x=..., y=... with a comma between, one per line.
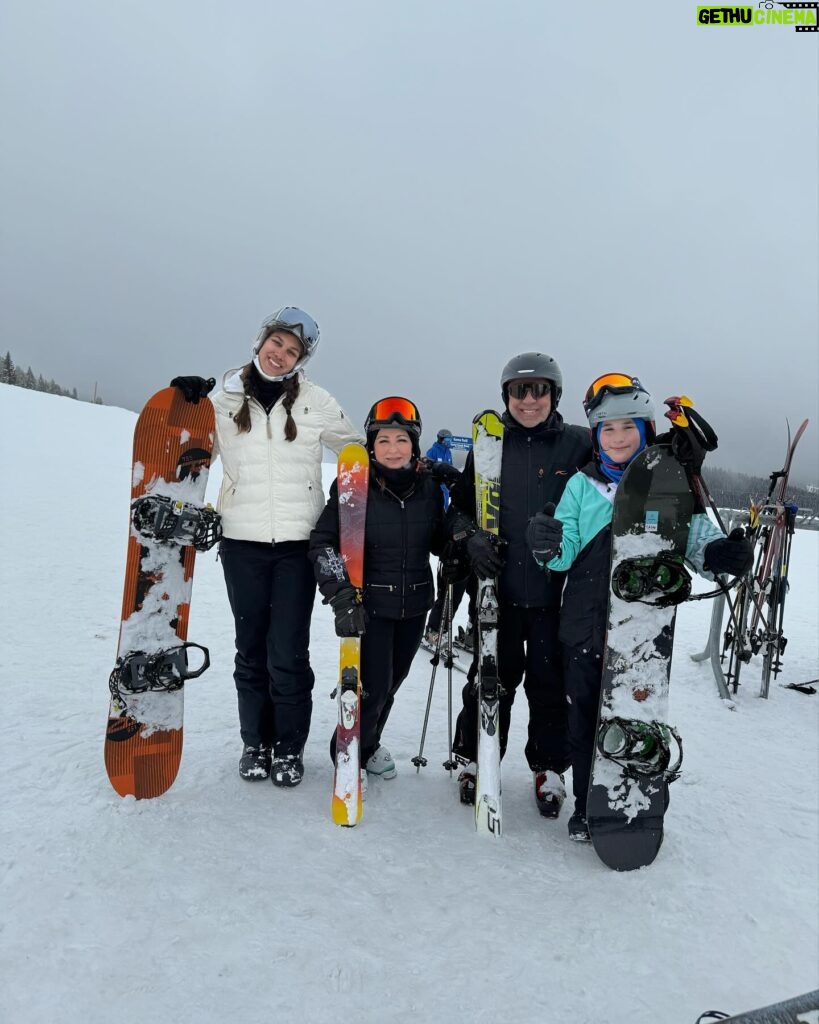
x=11, y=374
x=734, y=490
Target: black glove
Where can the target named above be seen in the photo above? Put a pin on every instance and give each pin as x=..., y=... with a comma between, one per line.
x=692, y=436
x=544, y=535
x=194, y=388
x=484, y=553
x=442, y=472
x=351, y=619
x=732, y=555
x=687, y=449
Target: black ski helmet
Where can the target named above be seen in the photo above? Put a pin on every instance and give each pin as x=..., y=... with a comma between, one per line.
x=529, y=366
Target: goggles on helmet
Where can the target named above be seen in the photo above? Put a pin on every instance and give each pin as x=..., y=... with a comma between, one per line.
x=297, y=322
x=394, y=412
x=610, y=384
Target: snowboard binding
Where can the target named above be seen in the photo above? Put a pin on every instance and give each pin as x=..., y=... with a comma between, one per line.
x=660, y=580
x=156, y=517
x=641, y=748
x=138, y=672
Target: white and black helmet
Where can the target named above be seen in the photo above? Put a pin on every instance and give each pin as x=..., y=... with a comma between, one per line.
x=295, y=320
x=533, y=366
x=617, y=396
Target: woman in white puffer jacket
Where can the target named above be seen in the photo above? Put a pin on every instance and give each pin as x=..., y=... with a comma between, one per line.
x=271, y=424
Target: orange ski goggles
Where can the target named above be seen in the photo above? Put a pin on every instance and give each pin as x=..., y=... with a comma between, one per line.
x=609, y=384
x=394, y=410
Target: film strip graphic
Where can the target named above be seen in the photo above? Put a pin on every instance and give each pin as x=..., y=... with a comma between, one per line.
x=801, y=7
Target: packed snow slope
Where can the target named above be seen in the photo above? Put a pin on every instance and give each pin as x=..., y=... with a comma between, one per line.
x=227, y=901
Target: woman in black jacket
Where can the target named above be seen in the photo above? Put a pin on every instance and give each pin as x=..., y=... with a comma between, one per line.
x=404, y=525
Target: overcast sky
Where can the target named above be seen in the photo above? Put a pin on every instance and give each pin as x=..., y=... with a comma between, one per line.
x=441, y=183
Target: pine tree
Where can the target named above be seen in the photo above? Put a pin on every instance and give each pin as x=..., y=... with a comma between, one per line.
x=8, y=371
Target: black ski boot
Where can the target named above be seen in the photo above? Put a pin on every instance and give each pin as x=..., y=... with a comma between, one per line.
x=579, y=829
x=287, y=770
x=254, y=764
x=466, y=783
x=550, y=792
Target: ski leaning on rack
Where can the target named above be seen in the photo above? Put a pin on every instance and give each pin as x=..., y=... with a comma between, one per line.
x=637, y=753
x=353, y=480
x=487, y=447
x=173, y=440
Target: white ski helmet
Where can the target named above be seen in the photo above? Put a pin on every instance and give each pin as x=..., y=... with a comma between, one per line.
x=295, y=320
x=617, y=396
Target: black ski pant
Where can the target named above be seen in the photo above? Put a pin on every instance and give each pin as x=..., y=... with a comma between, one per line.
x=387, y=651
x=271, y=589
x=529, y=652
x=583, y=673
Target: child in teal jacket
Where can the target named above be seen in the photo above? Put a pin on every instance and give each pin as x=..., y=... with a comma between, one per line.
x=577, y=538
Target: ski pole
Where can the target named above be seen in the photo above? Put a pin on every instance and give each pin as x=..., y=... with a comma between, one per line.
x=450, y=763
x=419, y=760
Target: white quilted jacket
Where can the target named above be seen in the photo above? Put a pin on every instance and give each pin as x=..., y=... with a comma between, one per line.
x=272, y=489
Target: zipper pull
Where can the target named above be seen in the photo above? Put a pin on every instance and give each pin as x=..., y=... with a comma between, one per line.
x=269, y=430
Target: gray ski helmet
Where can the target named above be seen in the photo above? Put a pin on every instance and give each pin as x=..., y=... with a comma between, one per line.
x=295, y=320
x=533, y=365
x=616, y=396
x=444, y=433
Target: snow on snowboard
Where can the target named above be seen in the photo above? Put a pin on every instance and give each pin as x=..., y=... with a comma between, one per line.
x=173, y=441
x=632, y=766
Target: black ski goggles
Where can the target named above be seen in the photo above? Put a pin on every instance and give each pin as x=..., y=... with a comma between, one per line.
x=537, y=388
x=609, y=384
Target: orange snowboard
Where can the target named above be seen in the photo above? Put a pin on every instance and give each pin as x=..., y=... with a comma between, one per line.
x=173, y=441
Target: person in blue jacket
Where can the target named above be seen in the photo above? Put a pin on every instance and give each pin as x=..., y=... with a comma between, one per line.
x=577, y=540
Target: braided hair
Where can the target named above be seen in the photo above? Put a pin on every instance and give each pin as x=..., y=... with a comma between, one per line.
x=290, y=393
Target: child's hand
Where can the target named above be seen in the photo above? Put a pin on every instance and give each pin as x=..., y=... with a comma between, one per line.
x=732, y=555
x=544, y=535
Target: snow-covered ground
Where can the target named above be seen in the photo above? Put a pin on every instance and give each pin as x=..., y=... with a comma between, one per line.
x=228, y=901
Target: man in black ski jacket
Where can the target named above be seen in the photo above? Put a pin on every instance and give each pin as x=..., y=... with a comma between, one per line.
x=540, y=453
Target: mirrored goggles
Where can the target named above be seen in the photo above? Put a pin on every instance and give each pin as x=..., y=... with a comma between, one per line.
x=610, y=384
x=290, y=318
x=394, y=410
x=537, y=388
